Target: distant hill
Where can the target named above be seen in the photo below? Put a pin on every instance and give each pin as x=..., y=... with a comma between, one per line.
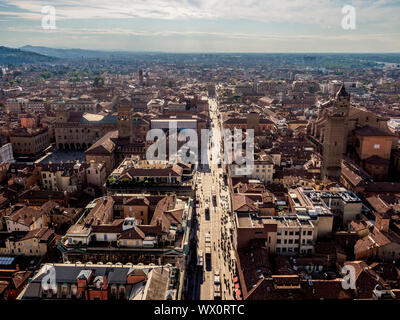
x=18, y=56
x=77, y=53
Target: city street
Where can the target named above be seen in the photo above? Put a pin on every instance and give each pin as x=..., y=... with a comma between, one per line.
x=217, y=224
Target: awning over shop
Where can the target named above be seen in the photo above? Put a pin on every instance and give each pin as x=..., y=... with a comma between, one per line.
x=238, y=294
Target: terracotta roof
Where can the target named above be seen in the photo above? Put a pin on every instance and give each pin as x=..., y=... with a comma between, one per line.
x=97, y=215
x=375, y=239
x=42, y=234
x=167, y=203
x=387, y=271
x=104, y=145
x=48, y=206
x=316, y=289
x=150, y=229
x=133, y=233
x=353, y=174
x=377, y=204
x=366, y=279
x=254, y=264
x=175, y=171
x=360, y=225
x=115, y=227
x=136, y=201
x=3, y=286
x=25, y=216
x=175, y=216
x=243, y=203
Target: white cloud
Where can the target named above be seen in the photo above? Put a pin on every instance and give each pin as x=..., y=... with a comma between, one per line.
x=227, y=35
x=378, y=24
x=321, y=12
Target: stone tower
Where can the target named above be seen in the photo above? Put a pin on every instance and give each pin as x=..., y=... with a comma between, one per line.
x=124, y=118
x=253, y=121
x=335, y=135
x=140, y=77
x=62, y=115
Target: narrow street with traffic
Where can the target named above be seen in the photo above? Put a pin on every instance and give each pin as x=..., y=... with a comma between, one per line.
x=210, y=277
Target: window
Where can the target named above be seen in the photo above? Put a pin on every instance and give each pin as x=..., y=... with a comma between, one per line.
x=309, y=233
x=377, y=146
x=278, y=241
x=290, y=233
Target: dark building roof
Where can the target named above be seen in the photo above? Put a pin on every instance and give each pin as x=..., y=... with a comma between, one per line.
x=383, y=187
x=368, y=131
x=244, y=121
x=342, y=92
x=377, y=160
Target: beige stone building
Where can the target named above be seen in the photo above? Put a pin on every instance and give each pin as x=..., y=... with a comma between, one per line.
x=76, y=130
x=283, y=235
x=33, y=243
x=29, y=141
x=96, y=174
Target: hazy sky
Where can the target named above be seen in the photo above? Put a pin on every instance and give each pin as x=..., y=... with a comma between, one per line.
x=204, y=25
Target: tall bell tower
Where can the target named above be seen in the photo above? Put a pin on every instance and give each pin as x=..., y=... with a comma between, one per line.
x=335, y=136
x=124, y=118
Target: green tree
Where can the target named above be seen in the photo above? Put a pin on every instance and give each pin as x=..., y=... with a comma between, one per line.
x=98, y=82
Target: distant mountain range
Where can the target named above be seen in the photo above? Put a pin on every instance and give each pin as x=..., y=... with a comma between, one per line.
x=37, y=54
x=18, y=56
x=77, y=54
